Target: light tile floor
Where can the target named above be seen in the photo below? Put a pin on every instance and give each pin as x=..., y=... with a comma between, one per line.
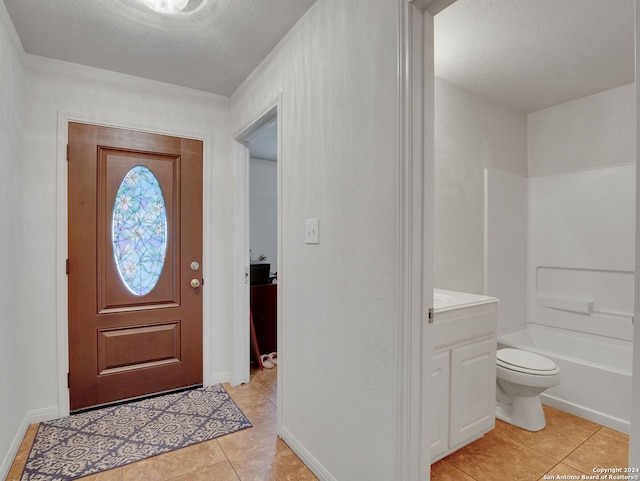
x=255, y=454
x=568, y=446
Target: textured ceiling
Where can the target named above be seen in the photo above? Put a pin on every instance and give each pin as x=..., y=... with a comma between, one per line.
x=212, y=46
x=528, y=54
x=531, y=54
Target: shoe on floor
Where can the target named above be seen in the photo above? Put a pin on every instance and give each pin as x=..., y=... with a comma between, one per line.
x=267, y=363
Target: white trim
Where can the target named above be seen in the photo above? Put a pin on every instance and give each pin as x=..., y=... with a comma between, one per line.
x=7, y=462
x=258, y=120
x=603, y=419
x=485, y=254
x=415, y=240
x=32, y=417
x=436, y=6
x=307, y=458
x=241, y=336
x=36, y=416
x=406, y=436
x=62, y=310
x=62, y=338
x=634, y=430
x=280, y=253
x=218, y=378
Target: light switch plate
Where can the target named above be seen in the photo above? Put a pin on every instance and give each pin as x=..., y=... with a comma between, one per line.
x=311, y=232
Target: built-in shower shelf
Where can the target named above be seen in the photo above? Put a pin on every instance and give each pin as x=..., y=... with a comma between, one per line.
x=583, y=306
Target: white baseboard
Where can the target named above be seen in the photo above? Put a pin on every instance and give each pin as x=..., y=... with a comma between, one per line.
x=32, y=417
x=611, y=422
x=218, y=378
x=43, y=414
x=13, y=449
x=307, y=458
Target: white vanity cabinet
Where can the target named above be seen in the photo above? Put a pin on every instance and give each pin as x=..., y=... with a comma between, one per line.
x=462, y=385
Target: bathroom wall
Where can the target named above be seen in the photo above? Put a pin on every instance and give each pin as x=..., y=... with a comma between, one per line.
x=506, y=242
x=582, y=213
x=577, y=208
x=13, y=335
x=473, y=134
x=591, y=132
x=263, y=208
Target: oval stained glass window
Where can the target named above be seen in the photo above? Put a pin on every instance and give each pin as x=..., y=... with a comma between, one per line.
x=139, y=230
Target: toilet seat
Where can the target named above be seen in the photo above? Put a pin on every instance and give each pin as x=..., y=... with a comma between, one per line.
x=525, y=362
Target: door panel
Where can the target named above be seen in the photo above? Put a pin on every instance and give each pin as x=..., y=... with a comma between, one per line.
x=473, y=390
x=128, y=348
x=135, y=227
x=113, y=166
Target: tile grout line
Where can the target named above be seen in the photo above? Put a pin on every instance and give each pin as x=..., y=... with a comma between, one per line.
x=565, y=457
x=229, y=461
x=266, y=399
x=557, y=462
x=459, y=469
x=579, y=446
x=233, y=466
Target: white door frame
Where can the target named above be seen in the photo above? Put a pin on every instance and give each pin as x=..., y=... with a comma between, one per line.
x=634, y=429
x=241, y=341
x=415, y=238
x=416, y=216
x=62, y=291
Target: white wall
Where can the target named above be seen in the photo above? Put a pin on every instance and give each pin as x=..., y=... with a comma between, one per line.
x=591, y=132
x=14, y=343
x=582, y=247
x=337, y=73
x=263, y=208
x=582, y=157
x=471, y=134
x=54, y=87
x=506, y=244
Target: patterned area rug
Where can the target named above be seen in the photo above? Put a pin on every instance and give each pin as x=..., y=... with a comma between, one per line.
x=94, y=441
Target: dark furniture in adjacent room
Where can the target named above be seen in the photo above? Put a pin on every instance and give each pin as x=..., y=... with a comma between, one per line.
x=264, y=307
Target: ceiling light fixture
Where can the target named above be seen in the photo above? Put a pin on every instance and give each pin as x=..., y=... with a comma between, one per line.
x=166, y=6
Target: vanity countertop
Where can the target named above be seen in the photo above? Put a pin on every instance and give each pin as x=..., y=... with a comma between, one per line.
x=445, y=300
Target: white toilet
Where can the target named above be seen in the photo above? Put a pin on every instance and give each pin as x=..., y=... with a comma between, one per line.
x=520, y=377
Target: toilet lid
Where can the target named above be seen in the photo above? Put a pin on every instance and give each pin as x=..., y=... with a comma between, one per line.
x=520, y=360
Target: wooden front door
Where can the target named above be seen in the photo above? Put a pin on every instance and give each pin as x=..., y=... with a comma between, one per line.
x=134, y=267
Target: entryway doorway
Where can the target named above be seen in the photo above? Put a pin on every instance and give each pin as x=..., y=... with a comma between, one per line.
x=135, y=242
x=263, y=241
x=265, y=124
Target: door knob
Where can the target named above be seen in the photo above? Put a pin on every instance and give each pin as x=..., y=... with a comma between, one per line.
x=195, y=283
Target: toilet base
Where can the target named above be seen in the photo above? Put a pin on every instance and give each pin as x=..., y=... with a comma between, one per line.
x=524, y=412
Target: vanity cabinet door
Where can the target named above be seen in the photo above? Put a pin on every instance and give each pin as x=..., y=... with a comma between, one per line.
x=473, y=390
x=439, y=409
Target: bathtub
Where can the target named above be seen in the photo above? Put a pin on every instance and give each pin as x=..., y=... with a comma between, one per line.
x=595, y=372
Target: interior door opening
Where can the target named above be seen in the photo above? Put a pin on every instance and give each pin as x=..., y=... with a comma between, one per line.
x=263, y=244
